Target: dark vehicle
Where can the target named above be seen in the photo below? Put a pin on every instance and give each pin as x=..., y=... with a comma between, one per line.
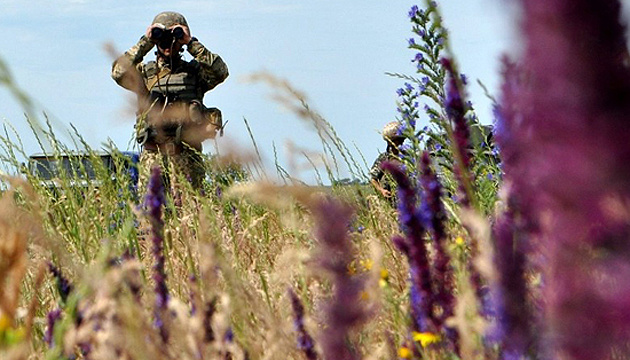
x=82, y=169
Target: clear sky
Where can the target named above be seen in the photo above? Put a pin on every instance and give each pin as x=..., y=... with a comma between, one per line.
x=335, y=52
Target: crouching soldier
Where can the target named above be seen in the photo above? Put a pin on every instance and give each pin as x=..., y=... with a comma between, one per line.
x=379, y=180
x=171, y=120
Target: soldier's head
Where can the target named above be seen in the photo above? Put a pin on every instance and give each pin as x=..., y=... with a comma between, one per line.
x=167, y=31
x=392, y=134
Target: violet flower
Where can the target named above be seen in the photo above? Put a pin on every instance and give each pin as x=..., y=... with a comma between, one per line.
x=436, y=217
x=51, y=320
x=510, y=294
x=305, y=341
x=413, y=246
x=456, y=111
x=565, y=140
x=63, y=284
x=154, y=201
x=344, y=311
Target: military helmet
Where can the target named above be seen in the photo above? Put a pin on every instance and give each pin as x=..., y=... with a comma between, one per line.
x=169, y=19
x=391, y=131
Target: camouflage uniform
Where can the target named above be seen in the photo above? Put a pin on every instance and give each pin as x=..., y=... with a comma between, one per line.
x=172, y=120
x=376, y=173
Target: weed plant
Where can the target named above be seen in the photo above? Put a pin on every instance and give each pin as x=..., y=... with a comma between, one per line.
x=247, y=269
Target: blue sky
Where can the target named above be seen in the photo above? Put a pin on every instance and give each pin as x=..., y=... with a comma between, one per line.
x=335, y=52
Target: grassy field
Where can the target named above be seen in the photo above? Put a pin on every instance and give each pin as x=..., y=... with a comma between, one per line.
x=77, y=260
x=515, y=251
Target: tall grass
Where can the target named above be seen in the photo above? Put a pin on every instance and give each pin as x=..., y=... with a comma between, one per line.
x=248, y=269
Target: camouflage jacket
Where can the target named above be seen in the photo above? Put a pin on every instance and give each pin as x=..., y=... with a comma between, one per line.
x=379, y=175
x=376, y=173
x=189, y=80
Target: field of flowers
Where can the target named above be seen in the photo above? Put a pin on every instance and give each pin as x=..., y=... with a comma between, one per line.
x=515, y=247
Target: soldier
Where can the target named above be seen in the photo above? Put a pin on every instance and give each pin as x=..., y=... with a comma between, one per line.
x=393, y=138
x=171, y=119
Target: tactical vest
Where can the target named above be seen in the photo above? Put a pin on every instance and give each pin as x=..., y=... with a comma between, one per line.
x=178, y=100
x=165, y=86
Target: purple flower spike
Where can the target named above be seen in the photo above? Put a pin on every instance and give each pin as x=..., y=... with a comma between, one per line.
x=510, y=294
x=413, y=246
x=434, y=212
x=456, y=111
x=565, y=148
x=344, y=312
x=413, y=12
x=51, y=320
x=154, y=201
x=63, y=284
x=305, y=341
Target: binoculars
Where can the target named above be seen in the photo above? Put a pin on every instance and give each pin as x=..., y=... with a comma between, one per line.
x=158, y=33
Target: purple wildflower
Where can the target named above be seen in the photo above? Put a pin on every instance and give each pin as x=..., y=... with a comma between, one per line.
x=565, y=149
x=456, y=111
x=510, y=293
x=436, y=216
x=464, y=79
x=413, y=246
x=63, y=284
x=154, y=201
x=51, y=320
x=229, y=335
x=344, y=311
x=305, y=341
x=413, y=12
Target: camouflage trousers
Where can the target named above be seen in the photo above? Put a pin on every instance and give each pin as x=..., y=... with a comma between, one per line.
x=180, y=172
x=183, y=174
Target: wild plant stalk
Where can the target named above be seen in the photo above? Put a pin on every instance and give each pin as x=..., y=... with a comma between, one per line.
x=564, y=143
x=563, y=137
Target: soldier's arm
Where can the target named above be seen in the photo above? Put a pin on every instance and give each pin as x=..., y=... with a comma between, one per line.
x=126, y=69
x=212, y=69
x=380, y=189
x=377, y=174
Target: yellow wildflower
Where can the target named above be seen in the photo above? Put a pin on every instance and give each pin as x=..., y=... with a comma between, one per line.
x=425, y=338
x=459, y=241
x=404, y=353
x=384, y=274
x=367, y=264
x=5, y=323
x=382, y=282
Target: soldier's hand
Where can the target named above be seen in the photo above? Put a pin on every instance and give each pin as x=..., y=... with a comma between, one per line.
x=154, y=31
x=186, y=38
